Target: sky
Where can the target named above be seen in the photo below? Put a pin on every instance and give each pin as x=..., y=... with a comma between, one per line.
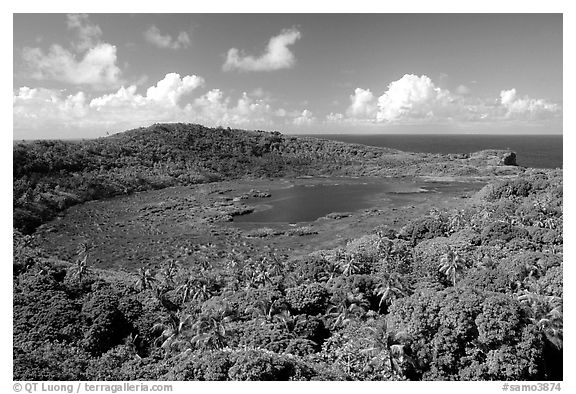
x=89, y=75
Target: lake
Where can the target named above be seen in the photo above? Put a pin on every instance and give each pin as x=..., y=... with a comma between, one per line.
x=313, y=199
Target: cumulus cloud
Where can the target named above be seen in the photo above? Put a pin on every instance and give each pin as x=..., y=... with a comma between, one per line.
x=172, y=88
x=521, y=107
x=306, y=118
x=74, y=105
x=363, y=104
x=124, y=97
x=88, y=33
x=172, y=99
x=39, y=108
x=417, y=99
x=215, y=108
x=90, y=62
x=411, y=97
x=96, y=68
x=165, y=94
x=155, y=37
x=277, y=55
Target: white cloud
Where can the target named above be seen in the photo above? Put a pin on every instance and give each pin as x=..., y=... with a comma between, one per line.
x=507, y=97
x=522, y=107
x=88, y=33
x=416, y=99
x=277, y=56
x=40, y=109
x=172, y=88
x=175, y=98
x=90, y=63
x=363, y=104
x=213, y=108
x=36, y=110
x=154, y=36
x=124, y=97
x=96, y=68
x=334, y=117
x=411, y=97
x=211, y=105
x=306, y=118
x=166, y=93
x=251, y=108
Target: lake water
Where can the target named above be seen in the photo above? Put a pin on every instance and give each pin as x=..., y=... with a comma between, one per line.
x=536, y=151
x=304, y=203
x=317, y=198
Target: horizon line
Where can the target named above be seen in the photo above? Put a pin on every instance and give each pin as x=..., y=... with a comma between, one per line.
x=317, y=135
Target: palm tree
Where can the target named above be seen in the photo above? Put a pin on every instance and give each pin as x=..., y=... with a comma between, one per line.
x=331, y=271
x=169, y=272
x=391, y=289
x=545, y=312
x=288, y=320
x=146, y=279
x=202, y=291
x=457, y=220
x=211, y=330
x=350, y=265
x=81, y=268
x=390, y=342
x=130, y=342
x=450, y=263
x=552, y=326
x=186, y=289
x=272, y=264
x=263, y=309
x=173, y=334
x=165, y=302
x=346, y=307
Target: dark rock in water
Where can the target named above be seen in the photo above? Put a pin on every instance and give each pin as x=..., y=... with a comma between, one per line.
x=509, y=159
x=493, y=157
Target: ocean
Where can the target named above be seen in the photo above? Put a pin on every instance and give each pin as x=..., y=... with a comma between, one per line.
x=535, y=151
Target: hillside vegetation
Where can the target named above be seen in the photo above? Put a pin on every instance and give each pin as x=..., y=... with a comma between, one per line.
x=474, y=293
x=50, y=176
x=469, y=294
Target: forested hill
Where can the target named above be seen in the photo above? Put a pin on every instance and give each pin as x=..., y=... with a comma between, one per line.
x=50, y=176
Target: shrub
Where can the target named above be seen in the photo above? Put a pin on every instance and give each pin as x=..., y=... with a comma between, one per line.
x=258, y=334
x=43, y=311
x=309, y=269
x=447, y=329
x=205, y=366
x=264, y=365
x=50, y=362
x=312, y=328
x=106, y=325
x=500, y=232
x=310, y=298
x=354, y=353
x=109, y=365
x=425, y=228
